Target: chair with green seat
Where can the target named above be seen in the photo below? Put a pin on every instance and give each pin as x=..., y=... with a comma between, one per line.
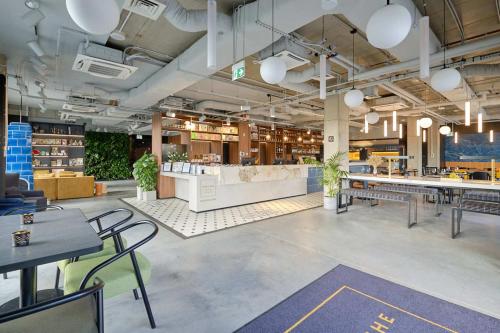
x=124, y=271
x=82, y=310
x=110, y=245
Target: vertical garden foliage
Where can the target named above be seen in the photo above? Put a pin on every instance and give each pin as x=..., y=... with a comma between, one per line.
x=107, y=156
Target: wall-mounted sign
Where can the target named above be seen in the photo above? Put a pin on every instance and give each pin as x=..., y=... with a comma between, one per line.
x=331, y=138
x=138, y=136
x=238, y=70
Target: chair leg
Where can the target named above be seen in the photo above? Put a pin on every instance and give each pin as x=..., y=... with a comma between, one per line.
x=5, y=277
x=136, y=295
x=58, y=274
x=143, y=290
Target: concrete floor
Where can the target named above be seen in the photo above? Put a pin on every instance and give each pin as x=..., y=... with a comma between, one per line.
x=220, y=281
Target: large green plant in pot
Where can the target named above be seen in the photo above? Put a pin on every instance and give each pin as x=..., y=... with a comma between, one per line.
x=332, y=176
x=146, y=172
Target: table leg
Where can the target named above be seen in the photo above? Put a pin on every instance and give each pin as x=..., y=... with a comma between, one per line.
x=28, y=282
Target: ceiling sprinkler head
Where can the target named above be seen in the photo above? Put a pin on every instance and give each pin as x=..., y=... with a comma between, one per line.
x=32, y=4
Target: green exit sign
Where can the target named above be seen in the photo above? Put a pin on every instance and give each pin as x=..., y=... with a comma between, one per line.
x=239, y=70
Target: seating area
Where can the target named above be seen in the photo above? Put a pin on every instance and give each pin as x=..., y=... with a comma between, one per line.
x=64, y=185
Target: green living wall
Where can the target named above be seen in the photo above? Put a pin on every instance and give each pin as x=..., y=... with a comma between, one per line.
x=107, y=156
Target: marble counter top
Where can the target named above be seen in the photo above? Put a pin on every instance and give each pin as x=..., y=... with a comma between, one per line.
x=257, y=173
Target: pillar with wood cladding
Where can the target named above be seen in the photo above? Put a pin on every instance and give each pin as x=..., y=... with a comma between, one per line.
x=166, y=185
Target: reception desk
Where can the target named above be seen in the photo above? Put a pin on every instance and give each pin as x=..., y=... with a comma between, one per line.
x=227, y=186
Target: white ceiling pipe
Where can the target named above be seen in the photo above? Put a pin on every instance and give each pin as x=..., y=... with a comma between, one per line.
x=216, y=105
x=211, y=35
x=434, y=59
x=190, y=67
x=193, y=20
x=303, y=88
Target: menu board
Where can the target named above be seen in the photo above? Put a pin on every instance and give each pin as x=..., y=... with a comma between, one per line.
x=177, y=166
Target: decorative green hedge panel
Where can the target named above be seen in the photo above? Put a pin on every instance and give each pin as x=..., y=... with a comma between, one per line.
x=107, y=156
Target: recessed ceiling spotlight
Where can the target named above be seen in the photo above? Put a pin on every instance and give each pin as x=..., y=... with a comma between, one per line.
x=32, y=4
x=118, y=35
x=441, y=108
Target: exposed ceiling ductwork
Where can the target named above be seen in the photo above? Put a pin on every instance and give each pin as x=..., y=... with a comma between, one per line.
x=481, y=70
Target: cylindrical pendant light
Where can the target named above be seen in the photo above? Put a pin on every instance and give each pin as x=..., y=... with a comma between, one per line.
x=400, y=131
x=385, y=128
x=455, y=137
x=418, y=127
x=366, y=124
x=424, y=136
x=212, y=34
x=322, y=76
x=492, y=136
x=423, y=28
x=467, y=113
x=394, y=121
x=480, y=122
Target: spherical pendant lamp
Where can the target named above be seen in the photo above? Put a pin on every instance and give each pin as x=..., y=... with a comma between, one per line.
x=354, y=98
x=445, y=79
x=388, y=26
x=97, y=17
x=273, y=70
x=445, y=130
x=425, y=122
x=372, y=117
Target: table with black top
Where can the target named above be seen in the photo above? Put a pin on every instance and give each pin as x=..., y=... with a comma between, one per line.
x=55, y=235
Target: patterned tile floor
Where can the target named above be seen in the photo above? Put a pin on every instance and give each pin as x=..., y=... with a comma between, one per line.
x=175, y=214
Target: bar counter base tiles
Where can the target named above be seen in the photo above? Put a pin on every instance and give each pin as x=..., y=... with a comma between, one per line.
x=175, y=215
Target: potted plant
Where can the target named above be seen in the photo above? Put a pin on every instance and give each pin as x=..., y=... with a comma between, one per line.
x=332, y=176
x=375, y=161
x=146, y=173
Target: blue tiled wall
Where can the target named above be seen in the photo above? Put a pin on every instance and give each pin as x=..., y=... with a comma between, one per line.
x=19, y=151
x=313, y=180
x=477, y=144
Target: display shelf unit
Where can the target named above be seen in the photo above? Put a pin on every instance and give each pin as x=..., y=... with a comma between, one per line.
x=58, y=146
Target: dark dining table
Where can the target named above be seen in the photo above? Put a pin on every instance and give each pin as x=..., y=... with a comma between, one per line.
x=55, y=235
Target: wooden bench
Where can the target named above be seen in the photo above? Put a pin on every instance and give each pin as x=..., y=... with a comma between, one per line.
x=378, y=195
x=425, y=191
x=482, y=202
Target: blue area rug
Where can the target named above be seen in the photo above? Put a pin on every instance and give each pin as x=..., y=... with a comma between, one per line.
x=346, y=300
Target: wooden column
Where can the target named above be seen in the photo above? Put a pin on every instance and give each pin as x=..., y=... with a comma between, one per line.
x=244, y=139
x=166, y=185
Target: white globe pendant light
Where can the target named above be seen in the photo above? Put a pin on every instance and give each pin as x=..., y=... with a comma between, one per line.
x=446, y=79
x=97, y=17
x=273, y=70
x=354, y=98
x=425, y=122
x=445, y=130
x=372, y=117
x=388, y=26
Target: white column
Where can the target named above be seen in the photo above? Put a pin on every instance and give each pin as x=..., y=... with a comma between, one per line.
x=336, y=127
x=414, y=144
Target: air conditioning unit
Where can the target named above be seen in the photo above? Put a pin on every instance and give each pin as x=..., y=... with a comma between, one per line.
x=82, y=104
x=101, y=61
x=293, y=54
x=391, y=103
x=148, y=8
x=292, y=60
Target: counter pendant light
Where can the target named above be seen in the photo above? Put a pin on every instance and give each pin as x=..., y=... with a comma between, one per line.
x=424, y=136
x=467, y=113
x=492, y=136
x=480, y=122
x=385, y=128
x=418, y=127
x=272, y=127
x=354, y=97
x=455, y=137
x=400, y=131
x=394, y=121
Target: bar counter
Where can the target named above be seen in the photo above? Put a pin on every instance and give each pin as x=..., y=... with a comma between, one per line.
x=228, y=186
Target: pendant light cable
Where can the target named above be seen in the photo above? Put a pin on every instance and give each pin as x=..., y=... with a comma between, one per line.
x=444, y=33
x=353, y=32
x=272, y=27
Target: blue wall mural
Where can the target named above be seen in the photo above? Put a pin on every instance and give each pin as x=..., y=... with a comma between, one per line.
x=477, y=144
x=19, y=151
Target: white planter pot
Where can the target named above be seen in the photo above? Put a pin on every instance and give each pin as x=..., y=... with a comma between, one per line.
x=149, y=195
x=330, y=203
x=139, y=193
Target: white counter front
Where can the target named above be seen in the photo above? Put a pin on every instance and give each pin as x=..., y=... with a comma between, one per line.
x=227, y=186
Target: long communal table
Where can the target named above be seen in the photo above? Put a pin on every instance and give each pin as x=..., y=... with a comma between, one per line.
x=428, y=181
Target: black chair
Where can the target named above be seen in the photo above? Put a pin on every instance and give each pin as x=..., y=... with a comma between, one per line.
x=85, y=271
x=110, y=247
x=480, y=175
x=82, y=311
